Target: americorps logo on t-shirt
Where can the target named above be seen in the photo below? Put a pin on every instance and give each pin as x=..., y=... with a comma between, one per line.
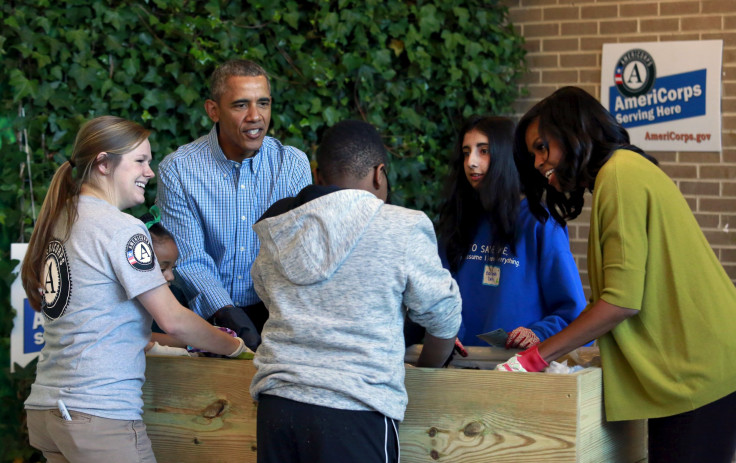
x=139, y=253
x=57, y=281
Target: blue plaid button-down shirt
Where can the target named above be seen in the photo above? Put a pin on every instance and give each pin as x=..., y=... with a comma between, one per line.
x=210, y=203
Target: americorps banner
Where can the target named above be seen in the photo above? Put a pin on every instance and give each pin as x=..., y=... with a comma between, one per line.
x=26, y=339
x=666, y=94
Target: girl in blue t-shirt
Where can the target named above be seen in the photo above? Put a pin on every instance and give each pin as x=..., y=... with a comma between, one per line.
x=514, y=272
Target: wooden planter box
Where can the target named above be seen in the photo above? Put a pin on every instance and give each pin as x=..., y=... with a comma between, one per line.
x=200, y=410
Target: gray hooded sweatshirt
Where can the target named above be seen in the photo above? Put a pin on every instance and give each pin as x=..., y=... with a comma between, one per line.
x=337, y=275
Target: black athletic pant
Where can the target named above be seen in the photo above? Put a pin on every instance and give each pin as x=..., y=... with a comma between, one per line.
x=706, y=434
x=294, y=432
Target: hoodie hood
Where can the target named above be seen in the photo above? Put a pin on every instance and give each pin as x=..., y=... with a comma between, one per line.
x=308, y=244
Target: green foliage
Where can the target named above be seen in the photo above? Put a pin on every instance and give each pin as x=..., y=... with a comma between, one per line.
x=413, y=69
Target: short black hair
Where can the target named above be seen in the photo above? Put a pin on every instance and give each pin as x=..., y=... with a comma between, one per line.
x=234, y=67
x=350, y=148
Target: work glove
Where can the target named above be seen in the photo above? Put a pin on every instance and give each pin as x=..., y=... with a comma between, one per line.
x=522, y=338
x=529, y=360
x=459, y=348
x=235, y=319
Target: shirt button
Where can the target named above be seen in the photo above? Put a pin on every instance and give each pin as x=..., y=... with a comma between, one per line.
x=242, y=218
x=242, y=187
x=240, y=277
x=242, y=248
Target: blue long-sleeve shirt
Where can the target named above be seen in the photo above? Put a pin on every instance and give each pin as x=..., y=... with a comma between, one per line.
x=210, y=203
x=538, y=287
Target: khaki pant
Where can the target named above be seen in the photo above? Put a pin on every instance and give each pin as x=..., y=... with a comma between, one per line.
x=87, y=438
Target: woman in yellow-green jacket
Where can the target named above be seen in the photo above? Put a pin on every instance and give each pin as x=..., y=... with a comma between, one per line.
x=663, y=308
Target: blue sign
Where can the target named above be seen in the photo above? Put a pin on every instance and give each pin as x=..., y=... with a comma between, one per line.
x=675, y=97
x=32, y=329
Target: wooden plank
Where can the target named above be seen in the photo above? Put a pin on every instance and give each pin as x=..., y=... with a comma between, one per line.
x=473, y=416
x=200, y=409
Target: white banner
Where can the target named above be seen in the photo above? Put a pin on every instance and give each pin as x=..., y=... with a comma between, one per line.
x=666, y=94
x=26, y=339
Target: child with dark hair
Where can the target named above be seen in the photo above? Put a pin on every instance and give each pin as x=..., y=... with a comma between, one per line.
x=663, y=308
x=338, y=270
x=514, y=272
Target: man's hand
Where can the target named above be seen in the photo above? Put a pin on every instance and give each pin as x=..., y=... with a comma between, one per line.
x=522, y=338
x=235, y=319
x=529, y=360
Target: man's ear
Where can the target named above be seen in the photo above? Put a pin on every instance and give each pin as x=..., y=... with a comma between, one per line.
x=213, y=110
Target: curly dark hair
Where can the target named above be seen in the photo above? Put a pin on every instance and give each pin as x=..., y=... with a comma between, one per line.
x=588, y=135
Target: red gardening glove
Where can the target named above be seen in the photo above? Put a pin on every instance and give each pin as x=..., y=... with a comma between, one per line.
x=522, y=338
x=529, y=360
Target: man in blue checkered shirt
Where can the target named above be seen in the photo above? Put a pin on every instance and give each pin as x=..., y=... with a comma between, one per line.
x=214, y=189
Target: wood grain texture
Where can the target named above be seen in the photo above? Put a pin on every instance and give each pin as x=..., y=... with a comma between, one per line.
x=200, y=410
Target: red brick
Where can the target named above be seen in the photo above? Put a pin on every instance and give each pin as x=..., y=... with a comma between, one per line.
x=702, y=157
x=591, y=76
x=638, y=9
x=618, y=27
x=729, y=38
x=707, y=220
x=676, y=171
x=533, y=46
x=594, y=43
x=560, y=45
x=729, y=22
x=564, y=13
x=692, y=204
x=579, y=60
x=532, y=77
x=599, y=12
x=730, y=271
x=678, y=36
x=719, y=172
x=699, y=188
x=580, y=28
x=719, y=6
x=524, y=15
x=559, y=77
x=728, y=122
x=660, y=25
x=729, y=73
x=719, y=237
x=638, y=38
x=702, y=23
x=717, y=205
x=665, y=156
x=538, y=60
x=679, y=8
x=537, y=92
x=526, y=3
x=728, y=189
x=541, y=30
x=728, y=254
x=728, y=155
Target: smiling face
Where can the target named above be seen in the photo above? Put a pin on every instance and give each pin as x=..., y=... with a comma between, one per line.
x=167, y=253
x=130, y=176
x=547, y=153
x=476, y=150
x=243, y=113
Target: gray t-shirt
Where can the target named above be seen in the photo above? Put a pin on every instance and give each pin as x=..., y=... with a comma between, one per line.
x=95, y=330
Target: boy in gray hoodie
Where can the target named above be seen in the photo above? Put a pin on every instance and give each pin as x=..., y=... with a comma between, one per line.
x=338, y=270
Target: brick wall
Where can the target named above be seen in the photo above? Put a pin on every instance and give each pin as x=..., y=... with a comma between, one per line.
x=564, y=40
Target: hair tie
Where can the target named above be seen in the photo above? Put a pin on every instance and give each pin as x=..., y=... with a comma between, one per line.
x=72, y=163
x=156, y=213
